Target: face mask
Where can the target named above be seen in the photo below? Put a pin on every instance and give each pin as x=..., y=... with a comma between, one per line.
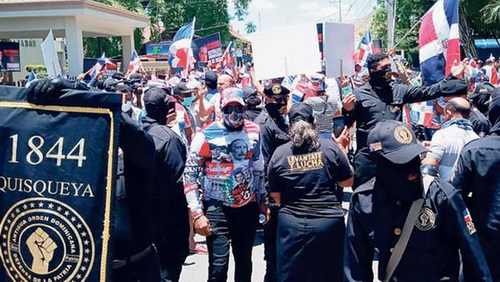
x=394, y=179
x=126, y=107
x=188, y=101
x=380, y=76
x=233, y=118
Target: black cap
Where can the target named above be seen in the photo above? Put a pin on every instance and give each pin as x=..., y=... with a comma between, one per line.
x=276, y=89
x=155, y=96
x=301, y=111
x=123, y=88
x=451, y=87
x=211, y=79
x=395, y=142
x=181, y=89
x=118, y=76
x=110, y=84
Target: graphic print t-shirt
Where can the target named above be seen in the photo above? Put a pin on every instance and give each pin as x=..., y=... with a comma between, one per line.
x=226, y=164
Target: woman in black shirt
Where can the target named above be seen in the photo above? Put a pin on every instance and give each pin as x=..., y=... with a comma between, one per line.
x=305, y=177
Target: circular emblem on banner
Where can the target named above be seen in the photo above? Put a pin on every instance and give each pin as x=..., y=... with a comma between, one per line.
x=403, y=135
x=45, y=240
x=426, y=219
x=276, y=89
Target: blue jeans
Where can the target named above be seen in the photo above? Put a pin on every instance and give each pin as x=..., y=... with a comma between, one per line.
x=235, y=225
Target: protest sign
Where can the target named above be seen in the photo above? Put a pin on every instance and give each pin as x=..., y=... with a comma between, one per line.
x=50, y=58
x=208, y=48
x=9, y=57
x=338, y=40
x=286, y=51
x=158, y=50
x=56, y=185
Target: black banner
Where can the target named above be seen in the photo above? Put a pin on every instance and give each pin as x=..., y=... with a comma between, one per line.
x=57, y=167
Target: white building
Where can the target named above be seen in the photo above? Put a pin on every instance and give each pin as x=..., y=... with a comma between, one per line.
x=68, y=19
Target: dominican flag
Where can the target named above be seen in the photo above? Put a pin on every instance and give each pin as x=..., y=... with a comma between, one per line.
x=439, y=41
x=135, y=63
x=365, y=48
x=101, y=65
x=227, y=58
x=181, y=54
x=491, y=71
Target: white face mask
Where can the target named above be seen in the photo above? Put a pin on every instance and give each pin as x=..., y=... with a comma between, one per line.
x=126, y=107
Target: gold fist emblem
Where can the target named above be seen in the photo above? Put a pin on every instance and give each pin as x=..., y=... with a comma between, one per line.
x=41, y=247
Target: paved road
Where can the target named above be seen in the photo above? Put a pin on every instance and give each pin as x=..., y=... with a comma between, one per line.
x=196, y=267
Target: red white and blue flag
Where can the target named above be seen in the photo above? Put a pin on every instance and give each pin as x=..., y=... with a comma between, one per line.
x=102, y=64
x=439, y=41
x=227, y=57
x=365, y=48
x=181, y=53
x=135, y=63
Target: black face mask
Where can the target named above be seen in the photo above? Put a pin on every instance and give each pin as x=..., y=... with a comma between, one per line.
x=379, y=78
x=393, y=179
x=274, y=109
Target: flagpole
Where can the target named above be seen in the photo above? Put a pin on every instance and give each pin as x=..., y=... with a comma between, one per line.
x=408, y=32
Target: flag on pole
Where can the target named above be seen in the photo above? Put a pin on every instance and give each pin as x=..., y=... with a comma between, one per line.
x=227, y=58
x=135, y=63
x=365, y=48
x=180, y=51
x=490, y=70
x=50, y=58
x=439, y=41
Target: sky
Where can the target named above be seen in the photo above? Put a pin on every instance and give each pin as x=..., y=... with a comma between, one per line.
x=269, y=14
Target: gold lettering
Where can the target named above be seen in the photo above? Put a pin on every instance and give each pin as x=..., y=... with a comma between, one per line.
x=306, y=162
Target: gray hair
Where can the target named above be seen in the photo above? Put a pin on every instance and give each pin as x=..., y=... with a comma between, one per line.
x=304, y=136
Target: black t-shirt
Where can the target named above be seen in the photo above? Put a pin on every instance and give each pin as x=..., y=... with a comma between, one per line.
x=307, y=181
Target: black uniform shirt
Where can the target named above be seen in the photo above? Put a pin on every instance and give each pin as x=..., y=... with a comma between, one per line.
x=477, y=175
x=374, y=105
x=274, y=133
x=444, y=226
x=307, y=181
x=480, y=123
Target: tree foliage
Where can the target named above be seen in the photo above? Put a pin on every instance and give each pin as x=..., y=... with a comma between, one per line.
x=479, y=19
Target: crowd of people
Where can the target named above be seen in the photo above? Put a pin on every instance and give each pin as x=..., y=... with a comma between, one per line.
x=219, y=153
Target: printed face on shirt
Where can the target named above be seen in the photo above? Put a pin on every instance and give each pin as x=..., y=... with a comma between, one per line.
x=238, y=149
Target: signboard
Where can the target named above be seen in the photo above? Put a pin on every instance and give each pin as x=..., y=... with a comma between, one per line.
x=208, y=48
x=9, y=57
x=158, y=50
x=338, y=41
x=56, y=186
x=286, y=51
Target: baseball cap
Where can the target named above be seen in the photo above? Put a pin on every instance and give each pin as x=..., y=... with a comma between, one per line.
x=181, y=89
x=275, y=89
x=123, y=88
x=301, y=111
x=395, y=142
x=232, y=95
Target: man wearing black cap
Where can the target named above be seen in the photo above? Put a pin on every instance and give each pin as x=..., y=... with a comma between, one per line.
x=274, y=133
x=252, y=99
x=305, y=178
x=226, y=155
x=477, y=175
x=419, y=226
x=381, y=99
x=183, y=122
x=171, y=212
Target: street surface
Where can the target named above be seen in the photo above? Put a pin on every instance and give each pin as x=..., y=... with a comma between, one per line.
x=196, y=267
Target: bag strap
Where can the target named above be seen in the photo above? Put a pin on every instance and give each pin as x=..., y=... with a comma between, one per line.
x=400, y=247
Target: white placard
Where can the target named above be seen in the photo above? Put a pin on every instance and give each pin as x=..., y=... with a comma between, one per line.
x=286, y=51
x=338, y=40
x=50, y=58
